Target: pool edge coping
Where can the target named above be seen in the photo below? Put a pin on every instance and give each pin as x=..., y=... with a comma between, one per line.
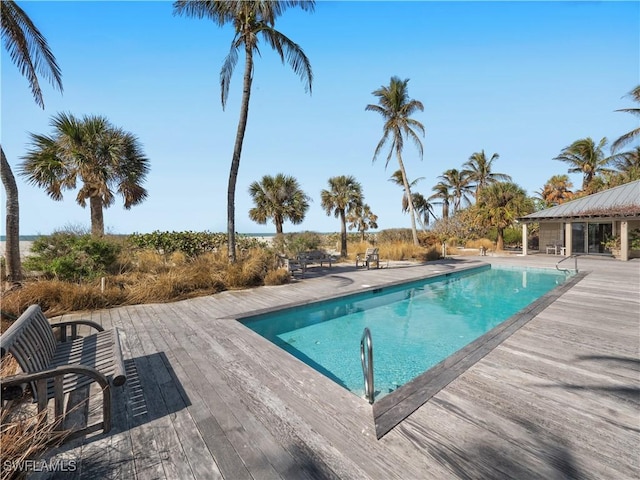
x=393, y=408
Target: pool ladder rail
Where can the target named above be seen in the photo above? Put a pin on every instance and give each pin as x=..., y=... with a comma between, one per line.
x=366, y=357
x=575, y=267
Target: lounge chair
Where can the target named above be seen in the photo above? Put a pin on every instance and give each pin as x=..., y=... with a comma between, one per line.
x=368, y=258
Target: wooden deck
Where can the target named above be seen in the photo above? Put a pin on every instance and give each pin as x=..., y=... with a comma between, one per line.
x=208, y=398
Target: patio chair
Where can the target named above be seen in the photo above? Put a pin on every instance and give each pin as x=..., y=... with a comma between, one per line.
x=292, y=264
x=368, y=258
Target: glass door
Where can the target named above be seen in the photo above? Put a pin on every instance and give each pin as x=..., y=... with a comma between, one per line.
x=578, y=237
x=598, y=233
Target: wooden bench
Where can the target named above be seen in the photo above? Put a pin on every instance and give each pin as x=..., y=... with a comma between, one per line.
x=315, y=256
x=55, y=361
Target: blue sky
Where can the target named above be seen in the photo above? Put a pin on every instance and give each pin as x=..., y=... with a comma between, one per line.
x=521, y=79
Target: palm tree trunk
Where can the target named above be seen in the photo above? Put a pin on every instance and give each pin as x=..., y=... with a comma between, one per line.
x=12, y=243
x=407, y=190
x=237, y=150
x=500, y=239
x=97, y=216
x=343, y=234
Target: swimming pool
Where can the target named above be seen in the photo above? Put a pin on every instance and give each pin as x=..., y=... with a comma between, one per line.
x=414, y=326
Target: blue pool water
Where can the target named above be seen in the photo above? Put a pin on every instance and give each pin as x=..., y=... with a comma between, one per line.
x=414, y=326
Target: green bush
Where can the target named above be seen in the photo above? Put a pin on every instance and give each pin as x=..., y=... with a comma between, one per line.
x=295, y=243
x=512, y=235
x=190, y=243
x=70, y=257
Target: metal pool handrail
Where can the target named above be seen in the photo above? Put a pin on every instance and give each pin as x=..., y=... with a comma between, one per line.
x=367, y=363
x=575, y=257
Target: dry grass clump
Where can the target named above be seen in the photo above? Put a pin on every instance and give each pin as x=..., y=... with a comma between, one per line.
x=57, y=297
x=400, y=251
x=157, y=279
x=481, y=242
x=277, y=277
x=23, y=437
x=249, y=270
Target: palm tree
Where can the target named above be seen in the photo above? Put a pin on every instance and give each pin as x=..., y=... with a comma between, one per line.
x=362, y=219
x=396, y=108
x=104, y=158
x=458, y=184
x=343, y=197
x=627, y=137
x=278, y=198
x=479, y=172
x=397, y=179
x=443, y=197
x=249, y=18
x=29, y=50
x=584, y=156
x=501, y=204
x=423, y=209
x=557, y=190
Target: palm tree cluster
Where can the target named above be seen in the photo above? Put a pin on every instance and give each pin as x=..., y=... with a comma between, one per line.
x=456, y=187
x=601, y=169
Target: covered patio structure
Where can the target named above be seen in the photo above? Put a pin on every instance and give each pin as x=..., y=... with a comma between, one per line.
x=582, y=226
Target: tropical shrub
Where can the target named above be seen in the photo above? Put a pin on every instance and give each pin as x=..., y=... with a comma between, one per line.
x=190, y=243
x=70, y=257
x=294, y=243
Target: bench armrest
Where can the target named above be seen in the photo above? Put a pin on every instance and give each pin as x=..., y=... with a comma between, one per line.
x=37, y=378
x=74, y=327
x=22, y=378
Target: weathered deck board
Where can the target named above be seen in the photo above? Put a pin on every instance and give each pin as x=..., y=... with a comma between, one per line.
x=559, y=398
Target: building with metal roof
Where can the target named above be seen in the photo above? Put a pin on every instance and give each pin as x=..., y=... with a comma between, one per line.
x=585, y=225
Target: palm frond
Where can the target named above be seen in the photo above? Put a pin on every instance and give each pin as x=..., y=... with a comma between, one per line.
x=28, y=49
x=291, y=53
x=227, y=71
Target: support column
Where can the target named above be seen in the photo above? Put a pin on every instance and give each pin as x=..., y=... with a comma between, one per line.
x=624, y=240
x=568, y=239
x=525, y=238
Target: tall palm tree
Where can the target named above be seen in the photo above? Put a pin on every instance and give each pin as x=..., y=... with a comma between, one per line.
x=278, y=198
x=627, y=137
x=443, y=197
x=586, y=157
x=501, y=204
x=106, y=159
x=478, y=171
x=458, y=184
x=557, y=190
x=396, y=108
x=29, y=50
x=362, y=219
x=250, y=19
x=343, y=197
